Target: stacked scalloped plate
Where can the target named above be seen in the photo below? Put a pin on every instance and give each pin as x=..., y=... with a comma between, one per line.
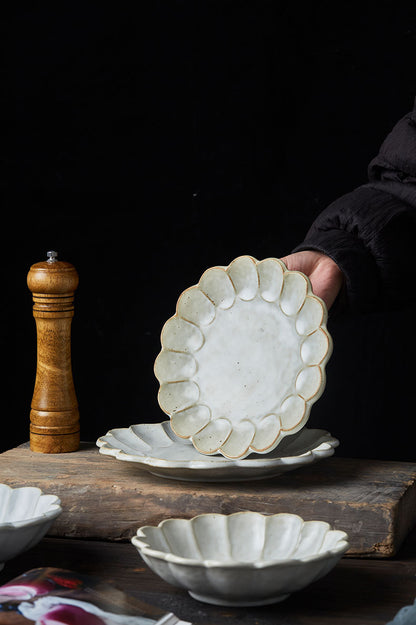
x=155, y=448
x=242, y=362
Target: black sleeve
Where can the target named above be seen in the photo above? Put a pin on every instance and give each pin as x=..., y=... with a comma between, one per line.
x=370, y=232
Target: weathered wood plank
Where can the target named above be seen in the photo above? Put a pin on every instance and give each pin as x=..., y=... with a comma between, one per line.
x=373, y=501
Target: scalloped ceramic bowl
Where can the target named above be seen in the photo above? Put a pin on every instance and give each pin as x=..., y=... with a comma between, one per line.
x=243, y=359
x=26, y=514
x=241, y=559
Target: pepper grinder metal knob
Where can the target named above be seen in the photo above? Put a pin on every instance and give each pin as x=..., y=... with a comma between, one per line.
x=54, y=415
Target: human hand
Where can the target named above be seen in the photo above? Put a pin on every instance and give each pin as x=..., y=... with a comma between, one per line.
x=325, y=275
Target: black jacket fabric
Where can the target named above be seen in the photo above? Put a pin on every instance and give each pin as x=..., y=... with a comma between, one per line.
x=370, y=232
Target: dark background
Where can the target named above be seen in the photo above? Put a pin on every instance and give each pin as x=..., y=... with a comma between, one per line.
x=148, y=144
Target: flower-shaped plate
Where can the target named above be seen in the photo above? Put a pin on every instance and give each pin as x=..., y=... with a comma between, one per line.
x=243, y=359
x=155, y=448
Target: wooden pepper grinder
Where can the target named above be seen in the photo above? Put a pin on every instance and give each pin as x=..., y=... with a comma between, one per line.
x=54, y=415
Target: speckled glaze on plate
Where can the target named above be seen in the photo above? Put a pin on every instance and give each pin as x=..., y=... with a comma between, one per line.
x=243, y=358
x=155, y=448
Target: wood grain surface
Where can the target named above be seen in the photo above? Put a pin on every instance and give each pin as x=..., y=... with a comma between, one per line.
x=103, y=498
x=54, y=415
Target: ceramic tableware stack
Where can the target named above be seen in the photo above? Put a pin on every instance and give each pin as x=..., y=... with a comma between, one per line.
x=242, y=362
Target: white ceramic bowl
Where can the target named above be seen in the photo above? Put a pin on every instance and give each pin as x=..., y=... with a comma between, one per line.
x=241, y=559
x=26, y=514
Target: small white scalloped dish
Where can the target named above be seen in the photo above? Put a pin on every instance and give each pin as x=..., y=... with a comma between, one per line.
x=243, y=358
x=154, y=447
x=241, y=559
x=26, y=514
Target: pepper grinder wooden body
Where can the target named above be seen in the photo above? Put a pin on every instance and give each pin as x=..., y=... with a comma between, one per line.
x=54, y=415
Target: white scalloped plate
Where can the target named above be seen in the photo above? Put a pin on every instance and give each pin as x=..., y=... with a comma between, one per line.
x=155, y=448
x=243, y=359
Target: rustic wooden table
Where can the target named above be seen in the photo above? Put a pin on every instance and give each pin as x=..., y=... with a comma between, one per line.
x=357, y=592
x=104, y=501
